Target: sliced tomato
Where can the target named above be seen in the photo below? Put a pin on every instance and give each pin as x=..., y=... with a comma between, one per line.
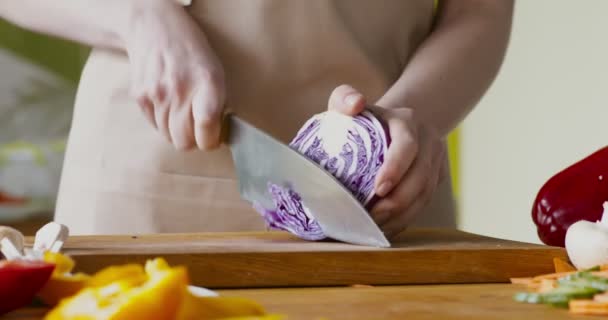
x=20, y=281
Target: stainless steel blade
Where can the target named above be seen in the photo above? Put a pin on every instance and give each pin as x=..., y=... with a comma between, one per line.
x=261, y=159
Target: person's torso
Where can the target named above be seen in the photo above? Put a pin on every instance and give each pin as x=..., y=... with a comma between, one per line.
x=282, y=59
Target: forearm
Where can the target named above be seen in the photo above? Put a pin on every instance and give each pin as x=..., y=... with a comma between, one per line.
x=98, y=23
x=453, y=68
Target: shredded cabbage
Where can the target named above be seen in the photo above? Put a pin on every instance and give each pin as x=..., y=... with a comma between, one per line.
x=290, y=214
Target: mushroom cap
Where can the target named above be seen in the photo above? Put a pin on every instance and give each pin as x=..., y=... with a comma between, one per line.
x=14, y=236
x=587, y=244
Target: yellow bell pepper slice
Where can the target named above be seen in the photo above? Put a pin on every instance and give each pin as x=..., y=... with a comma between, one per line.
x=195, y=308
x=159, y=297
x=265, y=317
x=156, y=291
x=61, y=287
x=62, y=283
x=63, y=263
x=133, y=274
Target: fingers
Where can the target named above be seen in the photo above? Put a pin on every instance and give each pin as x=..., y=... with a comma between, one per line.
x=150, y=92
x=403, y=195
x=400, y=154
x=181, y=125
x=395, y=212
x=400, y=221
x=180, y=121
x=207, y=110
x=186, y=111
x=161, y=117
x=143, y=88
x=347, y=100
x=147, y=107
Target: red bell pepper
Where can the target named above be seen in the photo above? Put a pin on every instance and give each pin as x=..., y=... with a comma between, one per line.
x=575, y=193
x=20, y=281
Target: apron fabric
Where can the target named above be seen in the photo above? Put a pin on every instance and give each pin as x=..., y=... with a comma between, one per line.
x=282, y=59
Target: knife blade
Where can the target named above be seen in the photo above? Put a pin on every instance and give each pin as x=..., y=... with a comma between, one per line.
x=260, y=159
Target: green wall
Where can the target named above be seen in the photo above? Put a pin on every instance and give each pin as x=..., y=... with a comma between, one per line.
x=62, y=57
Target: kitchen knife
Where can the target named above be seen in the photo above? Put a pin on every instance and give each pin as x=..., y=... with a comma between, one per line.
x=260, y=159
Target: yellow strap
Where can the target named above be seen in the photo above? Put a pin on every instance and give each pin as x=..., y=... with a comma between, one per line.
x=436, y=9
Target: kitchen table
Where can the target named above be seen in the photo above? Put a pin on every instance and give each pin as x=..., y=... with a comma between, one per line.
x=427, y=274
x=412, y=302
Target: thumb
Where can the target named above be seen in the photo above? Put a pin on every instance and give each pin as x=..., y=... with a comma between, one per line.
x=346, y=100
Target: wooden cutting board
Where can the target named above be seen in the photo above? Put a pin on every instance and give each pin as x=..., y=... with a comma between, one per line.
x=277, y=259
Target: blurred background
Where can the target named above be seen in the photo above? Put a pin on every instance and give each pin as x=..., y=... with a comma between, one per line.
x=547, y=109
x=38, y=80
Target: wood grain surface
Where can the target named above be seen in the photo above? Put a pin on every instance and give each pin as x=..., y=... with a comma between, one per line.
x=277, y=259
x=445, y=302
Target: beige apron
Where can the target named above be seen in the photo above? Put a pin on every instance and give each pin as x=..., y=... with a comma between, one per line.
x=282, y=60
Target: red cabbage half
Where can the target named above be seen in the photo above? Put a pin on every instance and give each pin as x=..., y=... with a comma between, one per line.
x=352, y=149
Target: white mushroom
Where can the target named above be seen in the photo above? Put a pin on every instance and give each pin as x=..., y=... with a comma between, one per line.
x=51, y=237
x=587, y=242
x=11, y=242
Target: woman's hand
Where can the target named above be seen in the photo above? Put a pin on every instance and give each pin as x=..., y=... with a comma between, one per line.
x=176, y=78
x=412, y=167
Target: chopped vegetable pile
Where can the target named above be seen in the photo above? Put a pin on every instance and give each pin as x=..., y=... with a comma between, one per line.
x=154, y=290
x=581, y=291
x=352, y=149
